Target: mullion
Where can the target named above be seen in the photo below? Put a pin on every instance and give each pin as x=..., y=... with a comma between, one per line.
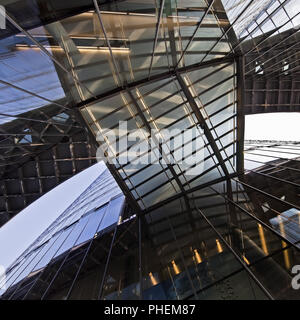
x=198, y=95
x=216, y=70
x=182, y=174
x=219, y=137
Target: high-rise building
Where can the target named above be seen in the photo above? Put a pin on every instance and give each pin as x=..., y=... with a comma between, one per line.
x=159, y=90
x=69, y=240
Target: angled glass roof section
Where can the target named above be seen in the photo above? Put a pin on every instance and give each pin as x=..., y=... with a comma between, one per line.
x=243, y=13
x=254, y=18
x=95, y=51
x=28, y=79
x=155, y=139
x=196, y=29
x=162, y=146
x=214, y=90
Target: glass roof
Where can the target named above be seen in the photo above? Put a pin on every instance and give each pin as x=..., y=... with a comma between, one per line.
x=161, y=150
x=157, y=68
x=254, y=18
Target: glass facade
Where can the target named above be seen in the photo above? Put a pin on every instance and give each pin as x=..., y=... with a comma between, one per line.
x=96, y=212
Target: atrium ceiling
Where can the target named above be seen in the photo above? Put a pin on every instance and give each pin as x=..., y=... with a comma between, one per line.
x=71, y=71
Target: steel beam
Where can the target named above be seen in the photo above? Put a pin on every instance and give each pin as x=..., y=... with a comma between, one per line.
x=202, y=123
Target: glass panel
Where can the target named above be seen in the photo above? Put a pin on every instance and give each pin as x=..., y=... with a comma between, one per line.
x=112, y=213
x=122, y=278
x=92, y=225
x=70, y=241
x=61, y=237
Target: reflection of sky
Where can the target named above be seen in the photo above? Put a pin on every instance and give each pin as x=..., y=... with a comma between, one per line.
x=28, y=69
x=288, y=224
x=257, y=12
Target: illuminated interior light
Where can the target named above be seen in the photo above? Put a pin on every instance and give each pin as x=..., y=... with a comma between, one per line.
x=141, y=14
x=177, y=17
x=35, y=47
x=87, y=48
x=246, y=260
x=106, y=49
x=220, y=249
x=152, y=278
x=281, y=226
x=175, y=267
x=83, y=37
x=22, y=35
x=197, y=256
x=193, y=19
x=284, y=244
x=88, y=13
x=114, y=12
x=97, y=38
x=286, y=255
x=262, y=239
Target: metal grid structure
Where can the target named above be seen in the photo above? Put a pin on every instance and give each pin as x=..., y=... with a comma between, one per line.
x=217, y=249
x=36, y=161
x=193, y=46
x=190, y=65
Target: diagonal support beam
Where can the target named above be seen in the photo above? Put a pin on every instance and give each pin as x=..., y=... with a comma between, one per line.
x=195, y=31
x=240, y=113
x=162, y=4
x=159, y=146
x=156, y=142
x=203, y=124
x=212, y=143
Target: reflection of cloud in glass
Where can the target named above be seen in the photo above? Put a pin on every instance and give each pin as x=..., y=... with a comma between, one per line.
x=268, y=14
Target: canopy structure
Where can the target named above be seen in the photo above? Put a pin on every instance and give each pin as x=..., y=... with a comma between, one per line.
x=71, y=72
